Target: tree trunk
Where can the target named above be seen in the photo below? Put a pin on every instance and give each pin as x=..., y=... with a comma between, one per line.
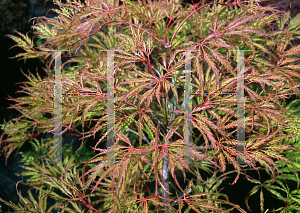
x=166, y=181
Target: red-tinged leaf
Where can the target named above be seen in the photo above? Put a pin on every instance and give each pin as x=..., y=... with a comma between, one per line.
x=223, y=61
x=146, y=95
x=199, y=73
x=145, y=74
x=136, y=81
x=252, y=192
x=172, y=58
x=283, y=44
x=254, y=96
x=204, y=129
x=253, y=30
x=174, y=131
x=127, y=108
x=240, y=33
x=170, y=134
x=158, y=94
x=132, y=91
x=174, y=90
x=178, y=111
x=238, y=21
x=88, y=108
x=221, y=159
x=214, y=68
x=124, y=178
x=164, y=188
x=203, y=157
x=229, y=157
x=129, y=59
x=96, y=170
x=140, y=126
x=284, y=61
x=123, y=137
x=293, y=67
x=149, y=122
x=263, y=48
x=144, y=159
x=164, y=60
x=293, y=51
x=221, y=43
x=172, y=170
x=264, y=62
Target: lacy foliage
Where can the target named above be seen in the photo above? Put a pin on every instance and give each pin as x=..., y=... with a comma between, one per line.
x=150, y=42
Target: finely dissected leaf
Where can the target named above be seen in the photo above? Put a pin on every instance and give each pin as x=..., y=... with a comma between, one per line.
x=150, y=40
x=293, y=51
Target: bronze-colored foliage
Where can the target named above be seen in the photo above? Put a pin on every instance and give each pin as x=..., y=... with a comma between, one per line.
x=150, y=40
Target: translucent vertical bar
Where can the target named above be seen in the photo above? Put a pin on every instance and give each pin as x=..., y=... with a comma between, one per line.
x=240, y=108
x=110, y=108
x=188, y=108
x=57, y=110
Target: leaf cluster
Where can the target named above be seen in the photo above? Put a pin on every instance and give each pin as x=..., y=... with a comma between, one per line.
x=150, y=41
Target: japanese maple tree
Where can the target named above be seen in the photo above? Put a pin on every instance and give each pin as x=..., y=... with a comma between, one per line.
x=150, y=41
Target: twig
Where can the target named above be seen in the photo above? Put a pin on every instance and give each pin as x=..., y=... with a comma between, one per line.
x=144, y=137
x=182, y=105
x=174, y=106
x=189, y=191
x=166, y=170
x=166, y=180
x=160, y=123
x=82, y=133
x=156, y=71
